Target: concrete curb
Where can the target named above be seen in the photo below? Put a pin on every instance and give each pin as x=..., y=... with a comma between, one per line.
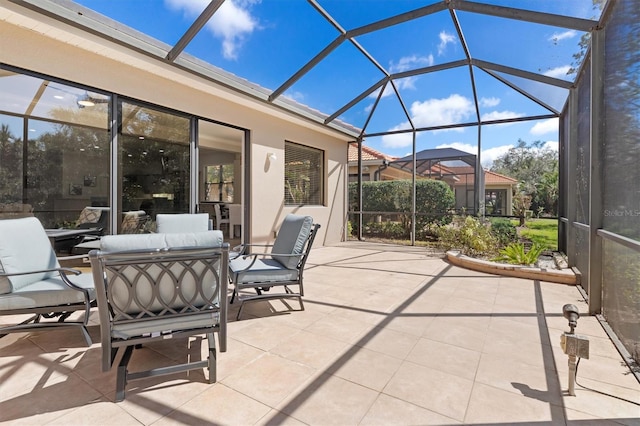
x=560, y=276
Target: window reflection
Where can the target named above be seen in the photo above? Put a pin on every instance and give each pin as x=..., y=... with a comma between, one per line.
x=154, y=159
x=64, y=165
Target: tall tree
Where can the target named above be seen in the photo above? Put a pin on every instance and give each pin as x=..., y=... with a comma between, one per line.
x=536, y=169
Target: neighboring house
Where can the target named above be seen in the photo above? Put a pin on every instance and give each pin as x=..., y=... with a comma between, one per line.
x=379, y=166
x=498, y=189
x=374, y=165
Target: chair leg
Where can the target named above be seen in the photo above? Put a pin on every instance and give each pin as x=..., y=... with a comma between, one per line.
x=213, y=371
x=85, y=334
x=121, y=379
x=240, y=310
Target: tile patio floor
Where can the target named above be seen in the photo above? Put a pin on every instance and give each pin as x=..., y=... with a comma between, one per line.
x=390, y=335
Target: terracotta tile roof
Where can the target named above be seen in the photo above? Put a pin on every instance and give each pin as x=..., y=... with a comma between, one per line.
x=493, y=177
x=367, y=154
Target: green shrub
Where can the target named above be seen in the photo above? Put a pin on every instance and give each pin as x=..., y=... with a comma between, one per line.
x=516, y=254
x=469, y=235
x=391, y=230
x=504, y=231
x=434, y=202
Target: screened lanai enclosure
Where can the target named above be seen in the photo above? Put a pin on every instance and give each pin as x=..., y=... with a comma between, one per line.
x=410, y=77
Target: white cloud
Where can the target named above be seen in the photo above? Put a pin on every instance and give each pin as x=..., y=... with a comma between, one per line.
x=487, y=156
x=500, y=115
x=232, y=22
x=553, y=145
x=466, y=147
x=544, y=127
x=432, y=112
x=405, y=63
x=445, y=39
x=489, y=102
x=437, y=112
x=294, y=95
x=411, y=62
x=556, y=37
x=398, y=140
x=558, y=72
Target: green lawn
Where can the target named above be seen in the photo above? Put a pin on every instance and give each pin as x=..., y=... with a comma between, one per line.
x=541, y=231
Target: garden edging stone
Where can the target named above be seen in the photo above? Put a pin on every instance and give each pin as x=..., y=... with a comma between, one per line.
x=561, y=276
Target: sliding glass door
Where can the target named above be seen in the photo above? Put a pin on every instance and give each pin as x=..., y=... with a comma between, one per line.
x=154, y=164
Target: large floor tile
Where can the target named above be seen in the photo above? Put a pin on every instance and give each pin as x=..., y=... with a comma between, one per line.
x=218, y=405
x=445, y=357
x=269, y=379
x=490, y=405
x=392, y=411
x=434, y=390
x=329, y=400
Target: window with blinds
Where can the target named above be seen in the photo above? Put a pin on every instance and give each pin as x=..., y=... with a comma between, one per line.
x=303, y=175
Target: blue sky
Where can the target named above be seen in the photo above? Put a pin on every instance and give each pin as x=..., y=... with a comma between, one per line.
x=268, y=41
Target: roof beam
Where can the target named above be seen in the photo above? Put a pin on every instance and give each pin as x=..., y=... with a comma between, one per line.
x=398, y=19
x=525, y=15
x=356, y=100
x=432, y=68
x=521, y=91
x=341, y=30
x=305, y=69
x=197, y=25
x=373, y=109
x=460, y=125
x=467, y=53
x=404, y=107
x=523, y=74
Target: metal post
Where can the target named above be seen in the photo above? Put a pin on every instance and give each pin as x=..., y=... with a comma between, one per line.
x=572, y=165
x=572, y=375
x=413, y=193
x=359, y=214
x=115, y=181
x=595, y=175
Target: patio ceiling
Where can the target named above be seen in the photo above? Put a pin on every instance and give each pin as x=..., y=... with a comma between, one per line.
x=349, y=42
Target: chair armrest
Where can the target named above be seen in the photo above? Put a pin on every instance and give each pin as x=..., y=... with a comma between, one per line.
x=73, y=257
x=243, y=247
x=63, y=275
x=255, y=257
x=61, y=270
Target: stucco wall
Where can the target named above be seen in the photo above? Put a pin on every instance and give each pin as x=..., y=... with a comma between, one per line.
x=112, y=68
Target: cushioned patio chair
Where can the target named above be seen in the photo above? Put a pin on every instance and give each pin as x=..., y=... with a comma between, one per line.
x=158, y=286
x=33, y=282
x=282, y=267
x=93, y=217
x=183, y=222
